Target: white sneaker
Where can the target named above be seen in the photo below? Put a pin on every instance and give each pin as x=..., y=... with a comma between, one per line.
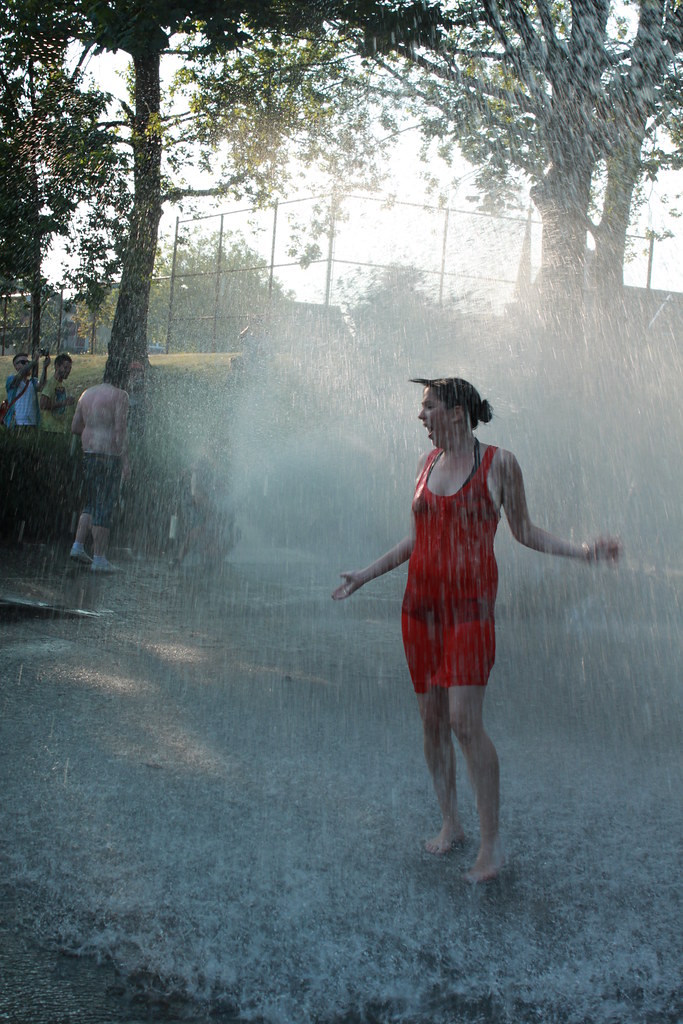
x=80, y=555
x=104, y=567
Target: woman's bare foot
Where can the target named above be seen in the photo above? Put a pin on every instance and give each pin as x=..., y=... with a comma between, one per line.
x=449, y=836
x=486, y=867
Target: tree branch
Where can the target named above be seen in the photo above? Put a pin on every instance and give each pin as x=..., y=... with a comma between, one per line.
x=673, y=26
x=535, y=50
x=469, y=86
x=9, y=92
x=175, y=194
x=80, y=62
x=524, y=26
x=556, y=50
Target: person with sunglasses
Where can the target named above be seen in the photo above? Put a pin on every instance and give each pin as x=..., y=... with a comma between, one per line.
x=23, y=388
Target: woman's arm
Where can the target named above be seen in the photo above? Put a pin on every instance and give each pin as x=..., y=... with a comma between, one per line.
x=400, y=553
x=513, y=500
x=396, y=556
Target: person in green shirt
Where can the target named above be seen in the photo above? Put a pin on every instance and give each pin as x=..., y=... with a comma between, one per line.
x=54, y=400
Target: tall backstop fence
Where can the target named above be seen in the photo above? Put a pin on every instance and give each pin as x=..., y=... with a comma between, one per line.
x=221, y=271
x=327, y=251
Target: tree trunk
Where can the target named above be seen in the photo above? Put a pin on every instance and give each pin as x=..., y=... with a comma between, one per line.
x=624, y=168
x=36, y=299
x=36, y=275
x=35, y=235
x=129, y=330
x=623, y=172
x=563, y=199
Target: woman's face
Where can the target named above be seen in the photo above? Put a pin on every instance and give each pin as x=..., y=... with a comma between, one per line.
x=440, y=422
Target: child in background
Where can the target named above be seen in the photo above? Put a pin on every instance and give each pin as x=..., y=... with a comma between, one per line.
x=208, y=528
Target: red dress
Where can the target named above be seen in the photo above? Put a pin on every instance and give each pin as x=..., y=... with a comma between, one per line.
x=447, y=614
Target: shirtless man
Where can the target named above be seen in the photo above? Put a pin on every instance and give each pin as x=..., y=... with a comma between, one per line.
x=101, y=421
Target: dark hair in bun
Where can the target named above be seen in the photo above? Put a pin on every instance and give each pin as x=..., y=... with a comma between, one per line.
x=454, y=391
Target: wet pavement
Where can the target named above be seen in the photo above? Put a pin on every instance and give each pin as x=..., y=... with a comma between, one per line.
x=214, y=801
x=45, y=600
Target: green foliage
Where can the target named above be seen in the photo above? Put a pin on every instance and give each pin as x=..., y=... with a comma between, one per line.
x=142, y=26
x=282, y=103
x=230, y=283
x=274, y=97
x=56, y=158
x=40, y=473
x=394, y=302
x=551, y=91
x=40, y=481
x=274, y=87
x=16, y=317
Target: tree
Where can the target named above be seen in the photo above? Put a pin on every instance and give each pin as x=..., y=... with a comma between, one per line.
x=646, y=97
x=280, y=103
x=54, y=153
x=229, y=32
x=394, y=302
x=557, y=92
x=144, y=29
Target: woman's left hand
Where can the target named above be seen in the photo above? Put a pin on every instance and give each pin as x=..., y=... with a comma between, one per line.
x=352, y=582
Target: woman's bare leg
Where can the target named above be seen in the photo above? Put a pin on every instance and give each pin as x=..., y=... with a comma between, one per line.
x=440, y=758
x=466, y=719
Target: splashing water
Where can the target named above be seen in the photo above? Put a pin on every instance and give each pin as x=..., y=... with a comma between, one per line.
x=221, y=788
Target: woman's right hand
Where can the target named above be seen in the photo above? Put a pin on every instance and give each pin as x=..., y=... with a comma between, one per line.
x=352, y=582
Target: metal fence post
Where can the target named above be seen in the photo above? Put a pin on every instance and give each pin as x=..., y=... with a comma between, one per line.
x=650, y=258
x=443, y=256
x=272, y=252
x=218, y=285
x=171, y=287
x=330, y=249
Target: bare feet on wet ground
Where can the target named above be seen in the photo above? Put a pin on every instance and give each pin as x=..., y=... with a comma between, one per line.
x=451, y=835
x=488, y=864
x=490, y=858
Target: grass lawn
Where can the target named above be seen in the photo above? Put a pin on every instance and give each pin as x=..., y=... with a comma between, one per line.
x=87, y=370
x=188, y=397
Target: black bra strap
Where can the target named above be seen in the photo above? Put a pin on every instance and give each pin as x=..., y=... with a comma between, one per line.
x=477, y=462
x=475, y=467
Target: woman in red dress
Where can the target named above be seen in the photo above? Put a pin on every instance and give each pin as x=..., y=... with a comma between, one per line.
x=447, y=616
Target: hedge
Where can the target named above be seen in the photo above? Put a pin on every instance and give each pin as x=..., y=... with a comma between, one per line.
x=186, y=416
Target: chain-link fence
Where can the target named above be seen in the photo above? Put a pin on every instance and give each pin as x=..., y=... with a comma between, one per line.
x=325, y=251
x=222, y=272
